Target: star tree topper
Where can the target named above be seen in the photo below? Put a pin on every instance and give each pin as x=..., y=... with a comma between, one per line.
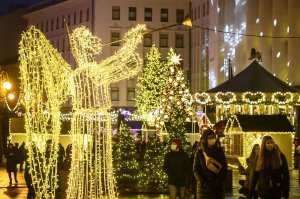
x=175, y=59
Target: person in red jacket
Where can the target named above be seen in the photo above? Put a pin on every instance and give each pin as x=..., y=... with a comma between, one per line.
x=178, y=168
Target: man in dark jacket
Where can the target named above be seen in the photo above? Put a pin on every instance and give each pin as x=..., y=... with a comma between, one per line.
x=178, y=168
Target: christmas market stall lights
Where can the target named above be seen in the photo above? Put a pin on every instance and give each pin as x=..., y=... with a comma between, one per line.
x=242, y=132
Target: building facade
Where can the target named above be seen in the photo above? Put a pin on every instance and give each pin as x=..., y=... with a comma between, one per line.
x=225, y=32
x=110, y=20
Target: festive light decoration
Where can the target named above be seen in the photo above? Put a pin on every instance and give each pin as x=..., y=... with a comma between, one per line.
x=253, y=98
x=150, y=85
x=125, y=163
x=46, y=82
x=249, y=139
x=202, y=98
x=152, y=174
x=174, y=107
x=225, y=98
x=282, y=98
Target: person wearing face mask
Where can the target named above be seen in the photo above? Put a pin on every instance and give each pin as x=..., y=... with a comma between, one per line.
x=271, y=172
x=178, y=168
x=251, y=162
x=210, y=167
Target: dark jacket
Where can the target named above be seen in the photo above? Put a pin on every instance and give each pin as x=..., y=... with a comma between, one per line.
x=207, y=181
x=178, y=168
x=11, y=156
x=272, y=183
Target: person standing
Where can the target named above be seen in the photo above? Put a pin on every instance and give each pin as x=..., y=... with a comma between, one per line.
x=178, y=168
x=11, y=163
x=210, y=167
x=271, y=173
x=251, y=162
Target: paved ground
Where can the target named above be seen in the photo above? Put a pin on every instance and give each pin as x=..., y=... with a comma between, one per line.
x=19, y=191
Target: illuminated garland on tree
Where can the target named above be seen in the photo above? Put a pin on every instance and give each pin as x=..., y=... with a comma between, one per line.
x=152, y=174
x=150, y=84
x=125, y=163
x=174, y=107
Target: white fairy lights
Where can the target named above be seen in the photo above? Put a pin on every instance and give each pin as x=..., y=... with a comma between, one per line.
x=47, y=81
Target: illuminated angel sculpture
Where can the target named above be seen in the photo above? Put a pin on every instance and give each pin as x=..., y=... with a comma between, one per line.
x=47, y=81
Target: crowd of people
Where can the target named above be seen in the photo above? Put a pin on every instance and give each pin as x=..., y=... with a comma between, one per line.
x=203, y=173
x=267, y=173
x=16, y=155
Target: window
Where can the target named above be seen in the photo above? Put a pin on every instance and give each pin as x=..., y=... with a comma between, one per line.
x=87, y=14
x=163, y=40
x=74, y=20
x=80, y=16
x=63, y=45
x=57, y=23
x=130, y=94
x=207, y=8
x=42, y=26
x=132, y=13
x=46, y=25
x=164, y=15
x=57, y=45
x=203, y=10
x=62, y=21
x=51, y=24
x=148, y=40
x=114, y=93
x=179, y=15
x=179, y=41
x=199, y=12
x=115, y=13
x=69, y=19
x=148, y=14
x=115, y=36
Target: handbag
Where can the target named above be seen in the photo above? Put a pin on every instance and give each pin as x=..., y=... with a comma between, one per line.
x=212, y=164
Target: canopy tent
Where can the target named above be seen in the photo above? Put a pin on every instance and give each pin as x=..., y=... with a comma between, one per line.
x=254, y=79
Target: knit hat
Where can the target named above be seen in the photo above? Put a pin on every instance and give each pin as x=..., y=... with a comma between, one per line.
x=206, y=133
x=178, y=142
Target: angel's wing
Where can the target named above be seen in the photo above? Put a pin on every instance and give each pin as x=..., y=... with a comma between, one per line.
x=44, y=82
x=125, y=63
x=44, y=73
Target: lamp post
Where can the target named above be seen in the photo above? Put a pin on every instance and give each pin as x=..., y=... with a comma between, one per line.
x=5, y=86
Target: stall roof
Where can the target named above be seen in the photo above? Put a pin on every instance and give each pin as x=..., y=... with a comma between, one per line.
x=265, y=123
x=254, y=79
x=134, y=124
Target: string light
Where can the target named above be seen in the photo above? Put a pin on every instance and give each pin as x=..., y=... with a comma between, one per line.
x=46, y=81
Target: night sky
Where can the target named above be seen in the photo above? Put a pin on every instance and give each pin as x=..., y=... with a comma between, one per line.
x=4, y=4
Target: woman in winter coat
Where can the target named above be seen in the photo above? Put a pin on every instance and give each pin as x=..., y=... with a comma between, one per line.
x=178, y=168
x=251, y=162
x=11, y=163
x=210, y=168
x=271, y=173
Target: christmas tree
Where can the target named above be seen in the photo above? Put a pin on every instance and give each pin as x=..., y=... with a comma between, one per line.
x=152, y=174
x=124, y=155
x=150, y=84
x=175, y=109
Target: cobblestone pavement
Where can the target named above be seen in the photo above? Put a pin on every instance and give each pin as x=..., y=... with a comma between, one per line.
x=19, y=191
